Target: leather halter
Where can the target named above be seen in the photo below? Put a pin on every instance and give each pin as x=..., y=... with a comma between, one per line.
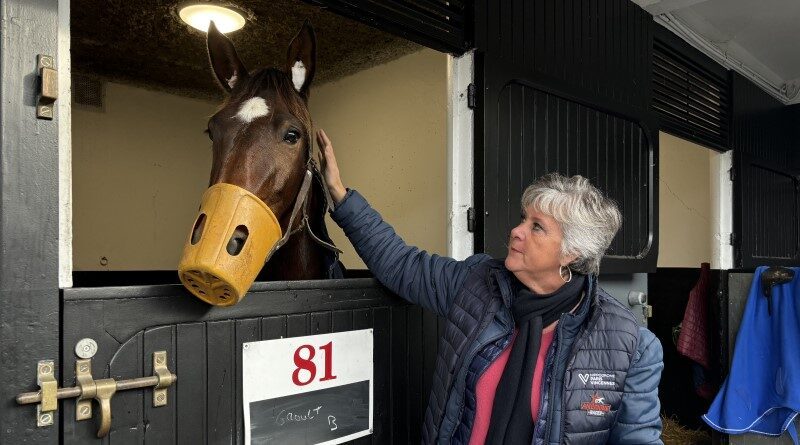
x=301, y=204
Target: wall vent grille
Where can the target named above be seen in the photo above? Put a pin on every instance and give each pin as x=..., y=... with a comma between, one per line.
x=690, y=100
x=88, y=92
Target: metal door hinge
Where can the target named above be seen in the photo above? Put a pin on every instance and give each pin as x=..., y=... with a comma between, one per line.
x=48, y=86
x=471, y=219
x=732, y=239
x=471, y=96
x=88, y=388
x=732, y=173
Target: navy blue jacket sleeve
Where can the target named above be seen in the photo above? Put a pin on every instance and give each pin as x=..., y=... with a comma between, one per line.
x=639, y=418
x=430, y=281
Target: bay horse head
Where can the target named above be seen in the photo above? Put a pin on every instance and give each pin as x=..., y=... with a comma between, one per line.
x=266, y=199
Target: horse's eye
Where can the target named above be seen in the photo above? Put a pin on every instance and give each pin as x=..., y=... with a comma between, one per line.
x=291, y=137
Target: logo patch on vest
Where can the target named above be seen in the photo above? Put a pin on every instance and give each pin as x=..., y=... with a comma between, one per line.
x=599, y=379
x=596, y=407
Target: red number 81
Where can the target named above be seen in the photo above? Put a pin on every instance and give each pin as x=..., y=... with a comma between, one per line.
x=307, y=364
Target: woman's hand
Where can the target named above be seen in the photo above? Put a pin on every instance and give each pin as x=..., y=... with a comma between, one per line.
x=330, y=169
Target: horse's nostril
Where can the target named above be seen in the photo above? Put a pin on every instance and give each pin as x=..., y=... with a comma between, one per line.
x=197, y=231
x=236, y=243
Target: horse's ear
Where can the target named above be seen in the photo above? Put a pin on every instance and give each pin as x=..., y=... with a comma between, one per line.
x=226, y=63
x=301, y=59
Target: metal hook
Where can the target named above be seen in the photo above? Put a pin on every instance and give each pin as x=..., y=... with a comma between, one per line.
x=775, y=275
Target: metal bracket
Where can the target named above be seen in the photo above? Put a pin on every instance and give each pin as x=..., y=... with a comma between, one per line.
x=165, y=378
x=471, y=99
x=83, y=374
x=48, y=86
x=471, y=219
x=48, y=403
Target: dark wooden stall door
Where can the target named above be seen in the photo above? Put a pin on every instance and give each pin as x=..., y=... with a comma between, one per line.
x=564, y=86
x=766, y=180
x=204, y=349
x=767, y=212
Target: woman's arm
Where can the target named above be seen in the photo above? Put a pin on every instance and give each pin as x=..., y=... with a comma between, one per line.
x=428, y=280
x=639, y=418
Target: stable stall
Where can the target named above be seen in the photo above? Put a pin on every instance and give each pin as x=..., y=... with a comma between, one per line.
x=141, y=163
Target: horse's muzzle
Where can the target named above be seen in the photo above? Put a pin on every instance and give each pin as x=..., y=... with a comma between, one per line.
x=228, y=245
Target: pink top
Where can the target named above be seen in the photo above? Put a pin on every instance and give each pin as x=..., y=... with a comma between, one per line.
x=488, y=381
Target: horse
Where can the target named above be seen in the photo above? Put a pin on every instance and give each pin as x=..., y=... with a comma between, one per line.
x=262, y=147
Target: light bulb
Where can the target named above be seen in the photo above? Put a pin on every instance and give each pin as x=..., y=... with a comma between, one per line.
x=199, y=16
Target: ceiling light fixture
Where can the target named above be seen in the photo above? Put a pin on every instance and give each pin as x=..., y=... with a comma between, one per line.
x=198, y=15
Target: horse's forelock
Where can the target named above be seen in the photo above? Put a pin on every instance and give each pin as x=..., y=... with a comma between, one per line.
x=271, y=79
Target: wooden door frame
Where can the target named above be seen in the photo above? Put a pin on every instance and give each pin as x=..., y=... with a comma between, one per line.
x=29, y=228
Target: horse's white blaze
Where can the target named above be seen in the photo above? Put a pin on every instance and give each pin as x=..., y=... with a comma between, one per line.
x=298, y=75
x=253, y=108
x=232, y=81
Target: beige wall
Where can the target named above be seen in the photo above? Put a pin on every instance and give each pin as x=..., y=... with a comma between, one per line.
x=140, y=167
x=388, y=127
x=685, y=226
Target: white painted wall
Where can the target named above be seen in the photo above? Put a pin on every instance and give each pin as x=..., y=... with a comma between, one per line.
x=388, y=127
x=138, y=169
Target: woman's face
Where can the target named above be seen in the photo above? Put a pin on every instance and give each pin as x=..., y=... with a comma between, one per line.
x=534, y=247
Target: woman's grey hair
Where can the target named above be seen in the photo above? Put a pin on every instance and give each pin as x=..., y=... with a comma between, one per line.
x=589, y=219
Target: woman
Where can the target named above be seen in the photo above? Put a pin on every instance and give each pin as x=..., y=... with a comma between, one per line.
x=534, y=351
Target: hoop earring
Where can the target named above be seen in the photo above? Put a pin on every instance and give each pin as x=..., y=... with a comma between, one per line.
x=561, y=272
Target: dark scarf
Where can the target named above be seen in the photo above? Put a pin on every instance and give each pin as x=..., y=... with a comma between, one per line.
x=511, y=422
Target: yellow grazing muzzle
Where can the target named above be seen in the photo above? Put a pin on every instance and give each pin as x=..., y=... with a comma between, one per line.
x=228, y=245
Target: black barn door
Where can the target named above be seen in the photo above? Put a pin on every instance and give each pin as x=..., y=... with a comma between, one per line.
x=767, y=210
x=564, y=86
x=766, y=178
x=203, y=346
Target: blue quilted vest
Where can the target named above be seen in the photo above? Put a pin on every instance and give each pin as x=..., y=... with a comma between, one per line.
x=584, y=374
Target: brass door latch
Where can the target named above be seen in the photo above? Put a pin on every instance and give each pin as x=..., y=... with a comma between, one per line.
x=48, y=86
x=87, y=389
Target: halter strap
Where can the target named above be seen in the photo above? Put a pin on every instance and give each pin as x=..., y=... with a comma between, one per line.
x=301, y=203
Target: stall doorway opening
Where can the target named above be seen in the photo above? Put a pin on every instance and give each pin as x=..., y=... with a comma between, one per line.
x=142, y=94
x=694, y=221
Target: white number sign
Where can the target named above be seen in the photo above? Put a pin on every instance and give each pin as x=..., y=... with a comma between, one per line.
x=308, y=390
